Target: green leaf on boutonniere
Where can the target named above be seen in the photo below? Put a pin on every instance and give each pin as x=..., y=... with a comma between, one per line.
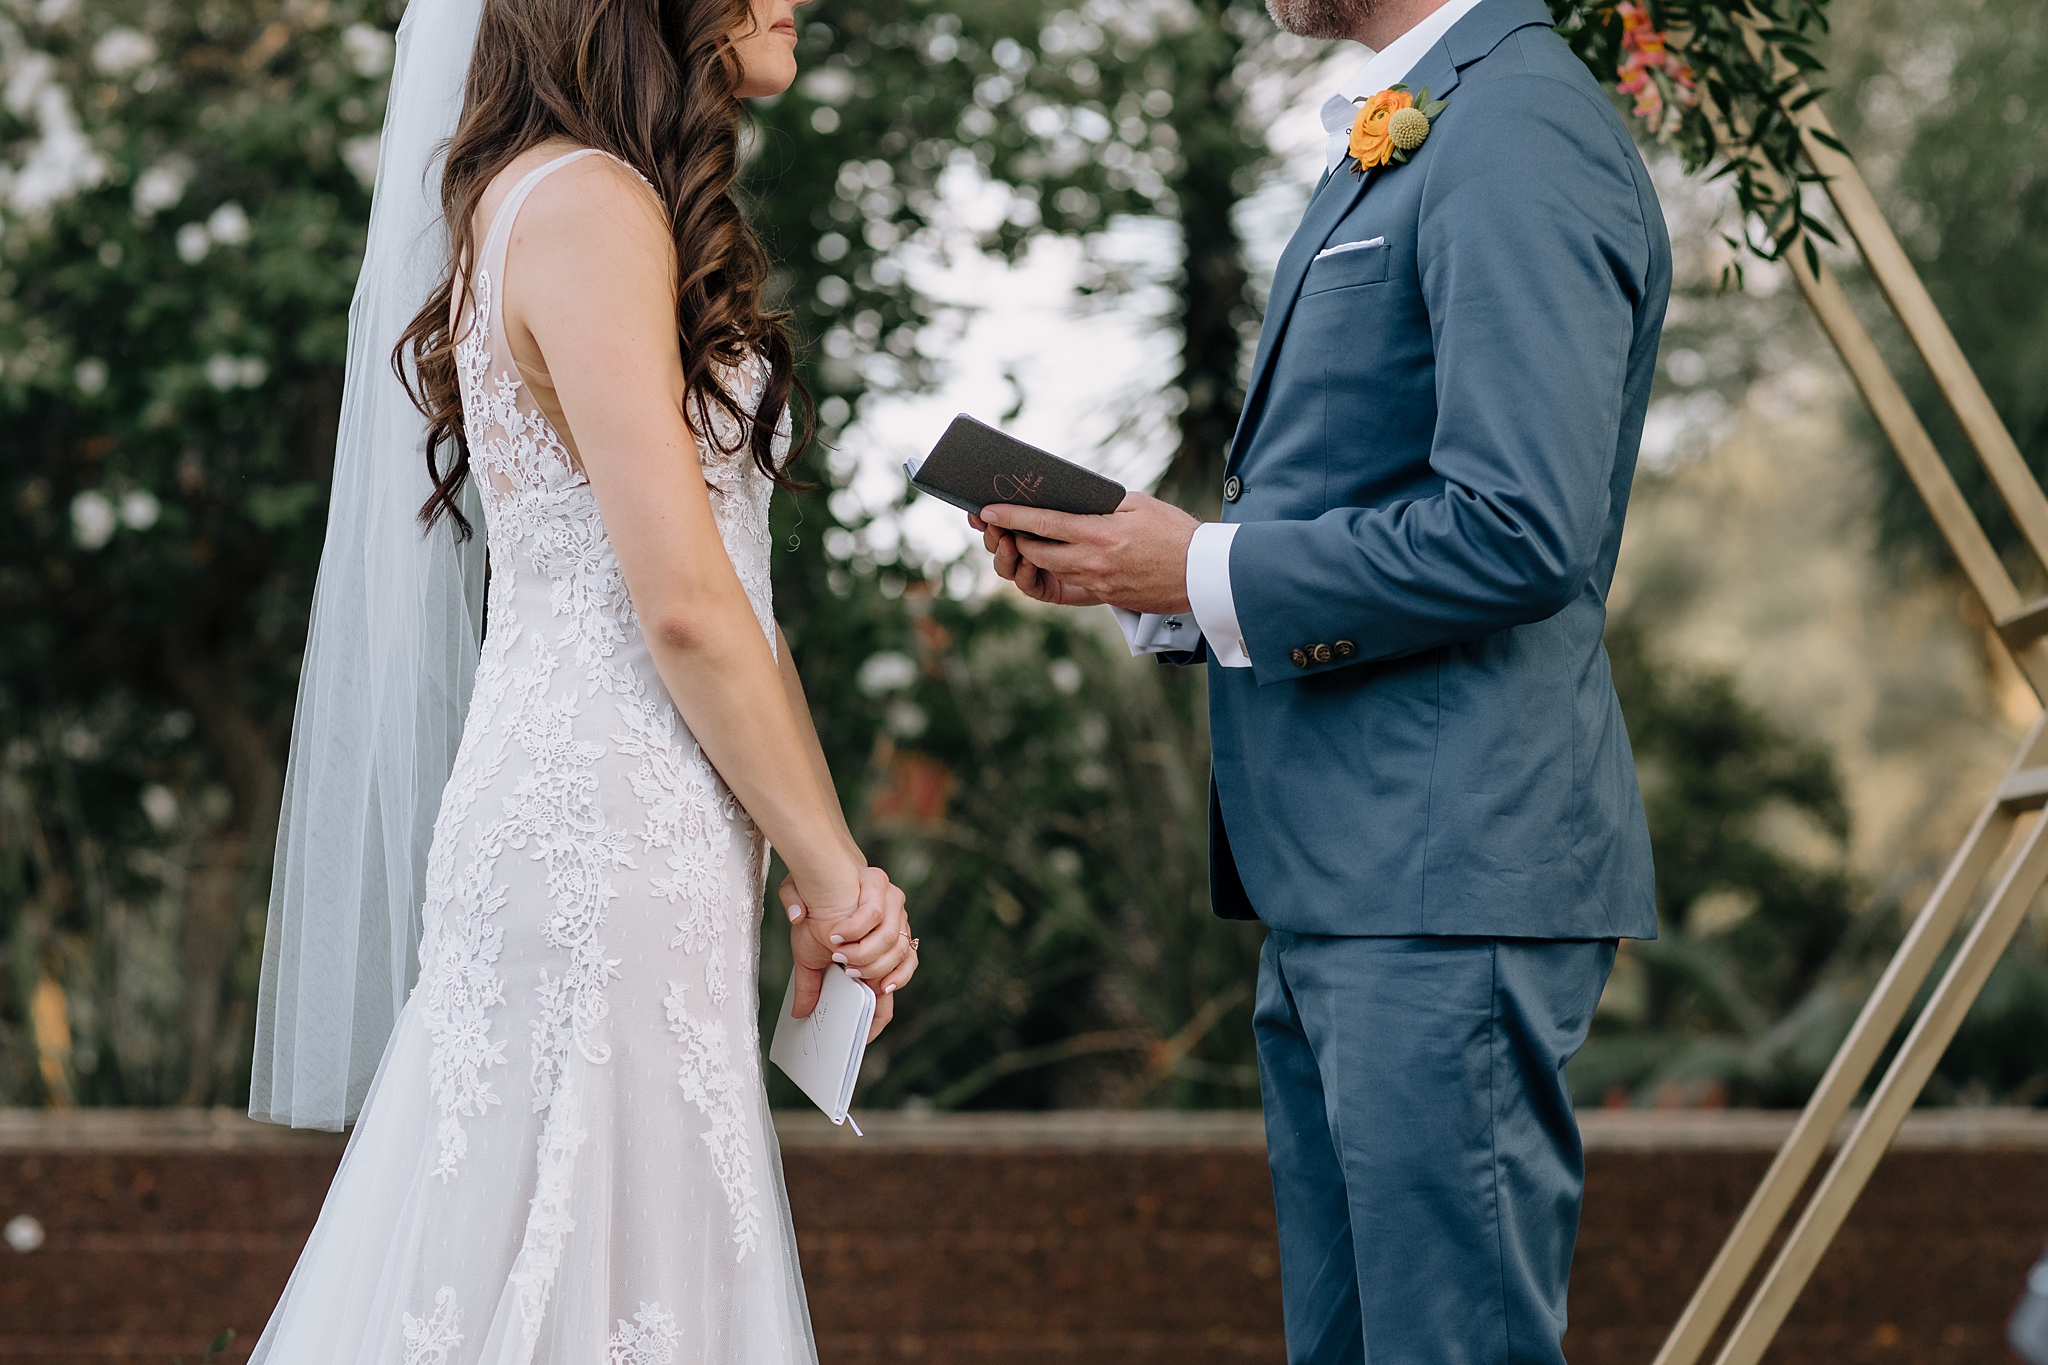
x=1407, y=141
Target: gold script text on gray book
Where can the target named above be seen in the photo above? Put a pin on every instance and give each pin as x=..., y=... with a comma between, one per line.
x=974, y=465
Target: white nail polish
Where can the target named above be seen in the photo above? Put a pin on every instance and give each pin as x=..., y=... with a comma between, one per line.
x=796, y=912
x=853, y=972
x=840, y=958
x=836, y=939
x=888, y=990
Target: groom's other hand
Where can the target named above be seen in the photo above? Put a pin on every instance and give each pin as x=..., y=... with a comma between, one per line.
x=1032, y=581
x=1136, y=557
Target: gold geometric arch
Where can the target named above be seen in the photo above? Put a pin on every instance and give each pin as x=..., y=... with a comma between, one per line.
x=2003, y=861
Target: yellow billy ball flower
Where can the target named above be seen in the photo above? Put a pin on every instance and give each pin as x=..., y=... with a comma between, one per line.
x=1407, y=128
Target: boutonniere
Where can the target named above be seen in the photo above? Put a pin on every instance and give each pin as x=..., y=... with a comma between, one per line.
x=1391, y=125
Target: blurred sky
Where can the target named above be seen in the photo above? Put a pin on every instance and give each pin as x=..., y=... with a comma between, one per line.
x=1090, y=373
x=1086, y=377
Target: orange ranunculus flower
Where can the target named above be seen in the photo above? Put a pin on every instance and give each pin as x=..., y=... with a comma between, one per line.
x=1370, y=145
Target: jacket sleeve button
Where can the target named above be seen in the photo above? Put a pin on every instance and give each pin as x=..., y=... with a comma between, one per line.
x=1299, y=657
x=1233, y=488
x=1322, y=654
x=1346, y=650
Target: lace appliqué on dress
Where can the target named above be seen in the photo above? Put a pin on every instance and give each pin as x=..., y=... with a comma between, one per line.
x=543, y=520
x=548, y=1220
x=429, y=1340
x=709, y=1082
x=459, y=945
x=649, y=1339
x=585, y=855
x=689, y=815
x=457, y=996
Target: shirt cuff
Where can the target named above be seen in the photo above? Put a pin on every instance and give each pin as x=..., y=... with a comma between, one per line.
x=1209, y=593
x=1150, y=634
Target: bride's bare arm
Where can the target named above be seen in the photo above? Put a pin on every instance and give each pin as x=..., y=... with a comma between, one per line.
x=591, y=279
x=800, y=707
x=884, y=958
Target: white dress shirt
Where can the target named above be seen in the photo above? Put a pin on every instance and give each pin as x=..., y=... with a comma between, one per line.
x=1208, y=570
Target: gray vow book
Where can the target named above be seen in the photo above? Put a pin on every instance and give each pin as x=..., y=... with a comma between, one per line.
x=974, y=465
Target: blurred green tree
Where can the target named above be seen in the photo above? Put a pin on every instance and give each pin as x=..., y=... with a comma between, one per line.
x=1954, y=103
x=1767, y=945
x=1065, y=119
x=1769, y=950
x=182, y=189
x=1072, y=957
x=1970, y=203
x=180, y=224
x=185, y=194
x=1754, y=903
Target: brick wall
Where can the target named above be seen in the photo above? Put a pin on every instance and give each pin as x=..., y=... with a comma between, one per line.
x=1071, y=1238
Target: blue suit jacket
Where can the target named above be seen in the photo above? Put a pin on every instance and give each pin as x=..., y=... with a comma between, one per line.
x=1435, y=458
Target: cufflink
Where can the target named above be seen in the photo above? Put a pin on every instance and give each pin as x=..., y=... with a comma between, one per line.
x=1173, y=623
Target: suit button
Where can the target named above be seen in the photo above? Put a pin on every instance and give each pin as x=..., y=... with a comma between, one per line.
x=1345, y=649
x=1322, y=654
x=1233, y=488
x=1299, y=656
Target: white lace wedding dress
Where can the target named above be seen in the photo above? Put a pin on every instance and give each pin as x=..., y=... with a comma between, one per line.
x=566, y=1157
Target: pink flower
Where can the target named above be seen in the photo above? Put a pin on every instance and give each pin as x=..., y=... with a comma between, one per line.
x=1649, y=69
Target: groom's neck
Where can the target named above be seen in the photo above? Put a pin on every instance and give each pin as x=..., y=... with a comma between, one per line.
x=1387, y=20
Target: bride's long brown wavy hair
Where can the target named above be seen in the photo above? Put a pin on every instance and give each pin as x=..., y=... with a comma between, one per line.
x=654, y=83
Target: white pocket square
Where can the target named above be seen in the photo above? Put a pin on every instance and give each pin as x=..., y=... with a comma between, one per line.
x=1342, y=247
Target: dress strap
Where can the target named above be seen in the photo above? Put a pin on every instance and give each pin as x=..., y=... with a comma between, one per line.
x=508, y=212
x=498, y=240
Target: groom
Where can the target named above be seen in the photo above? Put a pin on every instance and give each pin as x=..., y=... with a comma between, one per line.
x=1421, y=780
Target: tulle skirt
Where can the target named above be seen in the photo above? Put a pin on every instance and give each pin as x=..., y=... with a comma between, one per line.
x=537, y=1178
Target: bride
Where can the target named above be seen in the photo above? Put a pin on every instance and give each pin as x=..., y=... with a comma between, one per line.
x=566, y=1153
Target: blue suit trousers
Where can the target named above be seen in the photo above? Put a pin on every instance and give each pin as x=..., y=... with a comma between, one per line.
x=1426, y=1162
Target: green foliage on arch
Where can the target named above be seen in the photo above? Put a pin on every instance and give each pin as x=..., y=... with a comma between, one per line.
x=1681, y=59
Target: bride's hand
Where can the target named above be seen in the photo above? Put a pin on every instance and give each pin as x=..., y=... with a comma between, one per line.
x=873, y=944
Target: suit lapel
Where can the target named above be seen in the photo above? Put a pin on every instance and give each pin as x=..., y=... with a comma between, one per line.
x=1471, y=38
x=1437, y=69
x=1341, y=189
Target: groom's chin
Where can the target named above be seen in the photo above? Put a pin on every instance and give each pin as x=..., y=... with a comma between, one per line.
x=1321, y=18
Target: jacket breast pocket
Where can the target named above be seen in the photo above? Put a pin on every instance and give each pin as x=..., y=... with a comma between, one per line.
x=1346, y=269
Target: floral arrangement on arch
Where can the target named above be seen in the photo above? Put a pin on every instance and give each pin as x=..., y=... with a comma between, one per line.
x=1689, y=64
x=1653, y=71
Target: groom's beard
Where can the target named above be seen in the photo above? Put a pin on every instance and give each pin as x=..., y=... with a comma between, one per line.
x=1321, y=18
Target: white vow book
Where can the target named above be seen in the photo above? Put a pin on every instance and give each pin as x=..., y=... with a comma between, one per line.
x=822, y=1053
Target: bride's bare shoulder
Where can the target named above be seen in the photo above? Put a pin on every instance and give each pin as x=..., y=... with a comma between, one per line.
x=591, y=274
x=596, y=213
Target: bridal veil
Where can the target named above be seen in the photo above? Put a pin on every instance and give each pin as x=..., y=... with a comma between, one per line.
x=391, y=652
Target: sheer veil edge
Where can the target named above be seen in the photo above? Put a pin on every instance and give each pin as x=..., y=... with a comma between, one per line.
x=390, y=655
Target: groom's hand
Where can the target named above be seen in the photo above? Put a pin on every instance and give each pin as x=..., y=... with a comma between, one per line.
x=1136, y=557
